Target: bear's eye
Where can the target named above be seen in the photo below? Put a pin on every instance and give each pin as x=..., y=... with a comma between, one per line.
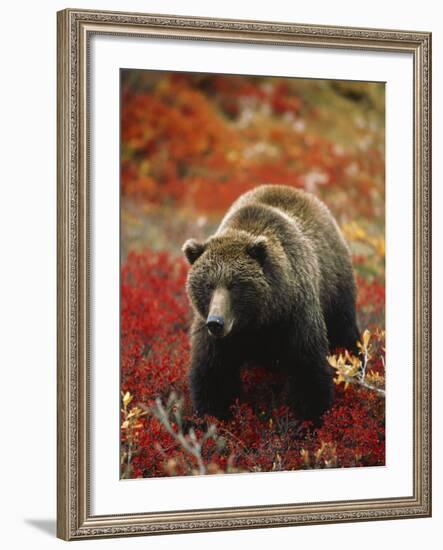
x=209, y=286
x=231, y=285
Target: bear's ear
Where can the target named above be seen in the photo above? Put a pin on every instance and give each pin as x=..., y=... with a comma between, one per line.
x=258, y=249
x=193, y=250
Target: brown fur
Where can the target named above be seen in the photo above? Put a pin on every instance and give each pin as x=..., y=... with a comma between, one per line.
x=288, y=296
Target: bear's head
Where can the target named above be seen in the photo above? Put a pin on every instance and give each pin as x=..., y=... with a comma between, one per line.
x=232, y=280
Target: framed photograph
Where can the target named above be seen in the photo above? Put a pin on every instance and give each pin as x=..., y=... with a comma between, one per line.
x=244, y=247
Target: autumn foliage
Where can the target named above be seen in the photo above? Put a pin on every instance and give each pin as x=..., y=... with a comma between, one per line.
x=190, y=145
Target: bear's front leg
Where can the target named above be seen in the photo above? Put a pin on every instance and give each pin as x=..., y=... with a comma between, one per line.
x=214, y=375
x=311, y=387
x=310, y=378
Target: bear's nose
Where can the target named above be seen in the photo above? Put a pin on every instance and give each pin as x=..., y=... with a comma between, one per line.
x=215, y=325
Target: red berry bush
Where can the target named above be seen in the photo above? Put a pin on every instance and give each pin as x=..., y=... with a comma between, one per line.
x=262, y=435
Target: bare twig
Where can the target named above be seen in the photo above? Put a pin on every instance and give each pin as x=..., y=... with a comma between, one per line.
x=362, y=382
x=352, y=370
x=189, y=442
x=362, y=378
x=131, y=425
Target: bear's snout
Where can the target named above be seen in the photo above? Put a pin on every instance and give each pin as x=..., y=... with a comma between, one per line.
x=215, y=325
x=220, y=319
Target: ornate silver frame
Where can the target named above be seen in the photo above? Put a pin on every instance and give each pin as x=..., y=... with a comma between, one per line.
x=74, y=520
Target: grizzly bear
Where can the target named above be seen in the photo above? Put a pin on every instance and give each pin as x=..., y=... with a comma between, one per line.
x=274, y=286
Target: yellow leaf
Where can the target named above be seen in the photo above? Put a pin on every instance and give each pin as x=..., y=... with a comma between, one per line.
x=366, y=338
x=127, y=398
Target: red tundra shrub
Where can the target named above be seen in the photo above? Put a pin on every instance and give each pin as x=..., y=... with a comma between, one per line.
x=154, y=323
x=263, y=434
